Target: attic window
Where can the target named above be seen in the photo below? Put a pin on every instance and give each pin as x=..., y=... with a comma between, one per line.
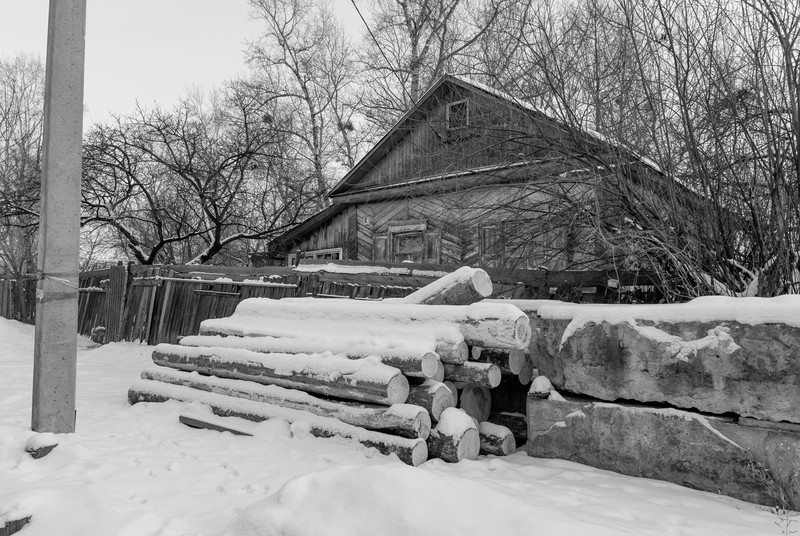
x=457, y=116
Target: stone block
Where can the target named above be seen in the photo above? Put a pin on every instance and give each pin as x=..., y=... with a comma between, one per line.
x=715, y=367
x=686, y=448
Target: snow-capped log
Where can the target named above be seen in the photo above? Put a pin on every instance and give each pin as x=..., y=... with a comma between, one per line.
x=410, y=451
x=455, y=438
x=487, y=374
x=496, y=439
x=510, y=361
x=444, y=340
x=410, y=359
x=399, y=419
x=455, y=352
x=464, y=286
x=476, y=401
x=495, y=325
x=433, y=396
x=323, y=373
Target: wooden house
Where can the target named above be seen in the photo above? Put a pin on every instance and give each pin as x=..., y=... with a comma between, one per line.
x=470, y=175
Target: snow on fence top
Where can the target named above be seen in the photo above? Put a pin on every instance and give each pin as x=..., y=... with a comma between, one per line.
x=378, y=270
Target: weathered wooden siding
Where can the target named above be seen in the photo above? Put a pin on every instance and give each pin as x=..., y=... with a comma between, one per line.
x=499, y=133
x=339, y=232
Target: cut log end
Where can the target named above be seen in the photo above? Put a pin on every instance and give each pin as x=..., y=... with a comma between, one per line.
x=522, y=331
x=476, y=401
x=469, y=446
x=430, y=365
x=516, y=360
x=418, y=455
x=397, y=389
x=438, y=375
x=453, y=391
x=482, y=283
x=422, y=425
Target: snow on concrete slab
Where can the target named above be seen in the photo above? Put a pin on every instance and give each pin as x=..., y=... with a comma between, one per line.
x=752, y=311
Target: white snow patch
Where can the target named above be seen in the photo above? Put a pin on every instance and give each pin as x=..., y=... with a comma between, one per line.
x=454, y=422
x=540, y=384
x=136, y=471
x=492, y=430
x=751, y=311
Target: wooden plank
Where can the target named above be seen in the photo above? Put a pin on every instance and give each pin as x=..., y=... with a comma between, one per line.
x=210, y=281
x=217, y=293
x=152, y=293
x=166, y=302
x=351, y=243
x=115, y=302
x=376, y=279
x=196, y=422
x=13, y=527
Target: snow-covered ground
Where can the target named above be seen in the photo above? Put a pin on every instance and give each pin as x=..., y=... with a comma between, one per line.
x=136, y=471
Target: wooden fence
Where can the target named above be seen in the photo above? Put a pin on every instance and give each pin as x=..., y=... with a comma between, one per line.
x=156, y=304
x=18, y=299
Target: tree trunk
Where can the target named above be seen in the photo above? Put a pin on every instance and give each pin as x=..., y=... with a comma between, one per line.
x=462, y=287
x=410, y=451
x=433, y=396
x=400, y=419
x=486, y=374
x=491, y=325
x=509, y=361
x=329, y=376
x=453, y=442
x=496, y=439
x=409, y=360
x=476, y=401
x=446, y=341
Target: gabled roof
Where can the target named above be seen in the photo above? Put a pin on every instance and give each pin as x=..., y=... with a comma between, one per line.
x=406, y=123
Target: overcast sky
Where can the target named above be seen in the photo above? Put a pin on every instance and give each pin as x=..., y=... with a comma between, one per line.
x=150, y=50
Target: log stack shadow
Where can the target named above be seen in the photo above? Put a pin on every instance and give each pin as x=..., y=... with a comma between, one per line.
x=384, y=374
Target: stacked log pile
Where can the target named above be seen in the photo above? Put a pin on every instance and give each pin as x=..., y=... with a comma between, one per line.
x=379, y=373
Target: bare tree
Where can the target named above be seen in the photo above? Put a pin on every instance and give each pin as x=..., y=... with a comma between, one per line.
x=21, y=116
x=304, y=62
x=184, y=185
x=411, y=43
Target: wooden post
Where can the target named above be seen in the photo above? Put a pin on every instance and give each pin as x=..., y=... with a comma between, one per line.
x=55, y=345
x=115, y=302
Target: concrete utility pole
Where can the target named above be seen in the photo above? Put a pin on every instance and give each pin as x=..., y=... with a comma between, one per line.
x=55, y=347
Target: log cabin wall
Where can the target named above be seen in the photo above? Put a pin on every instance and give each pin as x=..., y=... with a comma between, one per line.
x=469, y=227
